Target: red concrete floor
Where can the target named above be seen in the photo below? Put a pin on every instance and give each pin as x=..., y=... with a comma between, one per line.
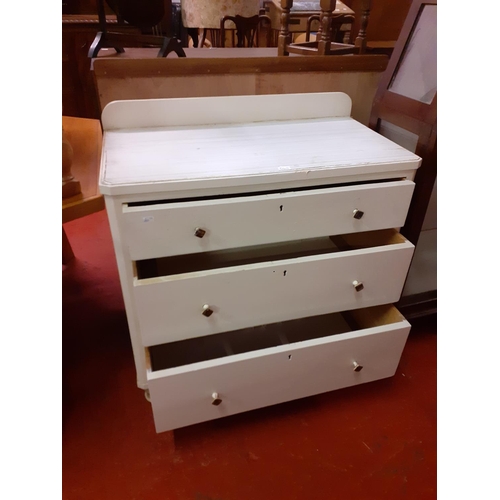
x=375, y=441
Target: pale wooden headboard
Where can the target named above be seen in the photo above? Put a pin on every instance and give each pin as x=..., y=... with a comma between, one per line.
x=357, y=76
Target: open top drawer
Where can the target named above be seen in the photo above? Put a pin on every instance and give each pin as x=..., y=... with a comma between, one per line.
x=165, y=228
x=204, y=294
x=202, y=379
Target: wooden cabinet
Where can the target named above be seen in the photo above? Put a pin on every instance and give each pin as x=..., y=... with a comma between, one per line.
x=259, y=251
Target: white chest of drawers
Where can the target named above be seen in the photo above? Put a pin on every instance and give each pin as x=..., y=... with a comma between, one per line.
x=258, y=248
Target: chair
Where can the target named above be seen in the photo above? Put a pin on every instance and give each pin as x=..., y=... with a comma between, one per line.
x=323, y=45
x=247, y=30
x=337, y=22
x=151, y=16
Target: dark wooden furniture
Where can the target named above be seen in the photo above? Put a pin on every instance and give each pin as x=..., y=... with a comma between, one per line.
x=82, y=143
x=337, y=22
x=146, y=16
x=323, y=45
x=406, y=103
x=80, y=24
x=400, y=103
x=300, y=14
x=248, y=30
x=79, y=97
x=386, y=20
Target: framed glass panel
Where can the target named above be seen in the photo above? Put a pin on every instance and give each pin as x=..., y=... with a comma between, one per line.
x=416, y=76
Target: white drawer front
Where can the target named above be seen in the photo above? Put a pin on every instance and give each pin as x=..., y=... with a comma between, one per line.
x=183, y=396
x=169, y=229
x=170, y=308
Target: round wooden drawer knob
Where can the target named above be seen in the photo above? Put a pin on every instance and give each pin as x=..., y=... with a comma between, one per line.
x=216, y=401
x=207, y=311
x=358, y=285
x=357, y=367
x=199, y=232
x=357, y=214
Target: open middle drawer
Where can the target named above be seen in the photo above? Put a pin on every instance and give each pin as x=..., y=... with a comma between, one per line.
x=196, y=295
x=203, y=379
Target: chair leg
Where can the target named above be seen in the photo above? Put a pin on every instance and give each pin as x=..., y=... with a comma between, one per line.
x=193, y=33
x=201, y=43
x=67, y=251
x=103, y=40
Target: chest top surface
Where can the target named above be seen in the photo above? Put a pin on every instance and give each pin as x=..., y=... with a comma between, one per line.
x=200, y=143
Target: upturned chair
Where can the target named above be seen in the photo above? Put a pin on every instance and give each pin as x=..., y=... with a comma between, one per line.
x=323, y=45
x=338, y=20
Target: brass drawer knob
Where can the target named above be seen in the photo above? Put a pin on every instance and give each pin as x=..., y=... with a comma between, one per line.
x=357, y=367
x=199, y=232
x=207, y=311
x=357, y=214
x=216, y=401
x=358, y=285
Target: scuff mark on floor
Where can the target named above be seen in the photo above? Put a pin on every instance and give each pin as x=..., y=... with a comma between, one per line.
x=367, y=446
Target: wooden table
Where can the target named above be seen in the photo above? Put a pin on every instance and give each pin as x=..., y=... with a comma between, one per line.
x=85, y=137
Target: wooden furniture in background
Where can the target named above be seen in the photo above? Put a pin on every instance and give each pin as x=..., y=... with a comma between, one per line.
x=323, y=45
x=70, y=185
x=405, y=110
x=386, y=20
x=79, y=96
x=80, y=26
x=300, y=15
x=258, y=278
x=335, y=26
x=248, y=30
x=407, y=98
x=119, y=78
x=85, y=137
x=206, y=15
x=146, y=16
x=79, y=29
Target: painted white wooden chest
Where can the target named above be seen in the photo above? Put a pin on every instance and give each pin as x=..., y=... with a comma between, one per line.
x=257, y=241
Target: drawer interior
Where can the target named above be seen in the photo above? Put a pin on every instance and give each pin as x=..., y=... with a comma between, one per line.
x=192, y=263
x=196, y=350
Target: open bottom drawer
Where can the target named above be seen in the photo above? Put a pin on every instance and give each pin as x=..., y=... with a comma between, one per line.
x=207, y=378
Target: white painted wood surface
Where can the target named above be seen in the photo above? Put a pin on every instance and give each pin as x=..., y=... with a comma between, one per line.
x=208, y=157
x=168, y=229
x=113, y=209
x=183, y=396
x=192, y=148
x=170, y=308
x=196, y=111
